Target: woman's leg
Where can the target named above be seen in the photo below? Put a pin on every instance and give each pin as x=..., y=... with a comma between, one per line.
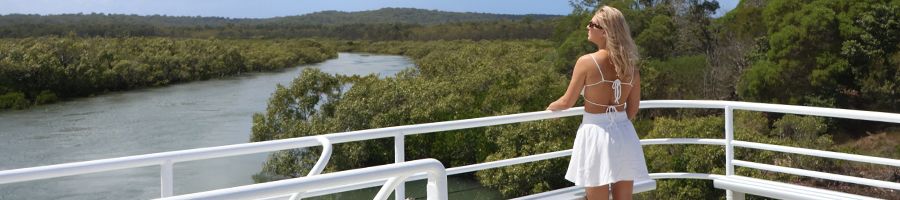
x=597, y=193
x=622, y=190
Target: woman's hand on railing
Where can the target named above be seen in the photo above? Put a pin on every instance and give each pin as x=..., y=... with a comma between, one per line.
x=558, y=105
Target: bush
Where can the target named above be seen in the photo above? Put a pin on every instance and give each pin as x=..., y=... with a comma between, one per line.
x=13, y=100
x=686, y=158
x=45, y=97
x=799, y=127
x=675, y=78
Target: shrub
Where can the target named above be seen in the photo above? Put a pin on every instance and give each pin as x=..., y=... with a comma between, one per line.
x=13, y=100
x=45, y=97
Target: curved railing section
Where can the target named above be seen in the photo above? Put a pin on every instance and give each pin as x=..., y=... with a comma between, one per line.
x=436, y=187
x=166, y=159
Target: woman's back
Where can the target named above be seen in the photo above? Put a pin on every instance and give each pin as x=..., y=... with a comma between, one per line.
x=599, y=93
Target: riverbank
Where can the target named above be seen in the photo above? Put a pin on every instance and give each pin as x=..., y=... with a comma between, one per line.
x=176, y=117
x=43, y=70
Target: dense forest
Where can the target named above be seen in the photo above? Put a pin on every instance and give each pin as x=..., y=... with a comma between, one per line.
x=43, y=70
x=382, y=24
x=840, y=54
x=788, y=52
x=47, y=58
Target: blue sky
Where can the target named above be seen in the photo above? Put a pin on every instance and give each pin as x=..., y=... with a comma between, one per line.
x=274, y=8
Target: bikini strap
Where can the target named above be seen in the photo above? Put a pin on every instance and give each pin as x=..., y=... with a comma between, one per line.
x=598, y=67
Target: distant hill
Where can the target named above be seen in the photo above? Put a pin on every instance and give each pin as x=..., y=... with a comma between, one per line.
x=381, y=24
x=399, y=16
x=380, y=16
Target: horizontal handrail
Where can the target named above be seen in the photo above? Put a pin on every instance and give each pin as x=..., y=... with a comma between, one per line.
x=683, y=175
x=563, y=153
x=508, y=162
x=514, y=161
x=437, y=182
x=655, y=141
x=450, y=171
x=67, y=169
x=775, y=108
x=85, y=167
x=818, y=153
x=816, y=174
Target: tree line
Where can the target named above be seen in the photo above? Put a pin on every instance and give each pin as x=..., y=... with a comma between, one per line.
x=42, y=70
x=813, y=52
x=383, y=24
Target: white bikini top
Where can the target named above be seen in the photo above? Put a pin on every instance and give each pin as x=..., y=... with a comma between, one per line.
x=616, y=87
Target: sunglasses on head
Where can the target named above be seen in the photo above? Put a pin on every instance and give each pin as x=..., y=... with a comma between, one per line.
x=593, y=25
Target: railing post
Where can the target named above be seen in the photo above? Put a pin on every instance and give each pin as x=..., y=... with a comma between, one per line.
x=320, y=164
x=729, y=151
x=165, y=179
x=323, y=159
x=437, y=184
x=400, y=157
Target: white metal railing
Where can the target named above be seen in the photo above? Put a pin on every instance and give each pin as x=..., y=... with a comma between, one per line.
x=167, y=159
x=395, y=173
x=320, y=164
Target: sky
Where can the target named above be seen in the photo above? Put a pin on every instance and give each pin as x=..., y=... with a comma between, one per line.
x=275, y=8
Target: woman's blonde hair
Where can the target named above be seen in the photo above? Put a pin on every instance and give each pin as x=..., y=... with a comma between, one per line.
x=621, y=47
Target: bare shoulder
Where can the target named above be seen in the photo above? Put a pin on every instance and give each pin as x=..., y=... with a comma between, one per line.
x=586, y=58
x=583, y=62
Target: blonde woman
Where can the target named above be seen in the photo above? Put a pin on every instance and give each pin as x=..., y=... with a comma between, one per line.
x=607, y=153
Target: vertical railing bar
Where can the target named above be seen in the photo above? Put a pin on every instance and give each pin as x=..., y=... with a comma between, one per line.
x=729, y=148
x=389, y=186
x=296, y=196
x=165, y=179
x=436, y=187
x=323, y=159
x=400, y=157
x=320, y=164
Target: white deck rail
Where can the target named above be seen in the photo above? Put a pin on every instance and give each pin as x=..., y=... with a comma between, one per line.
x=395, y=173
x=166, y=159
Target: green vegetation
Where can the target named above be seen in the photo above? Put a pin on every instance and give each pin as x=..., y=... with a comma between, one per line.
x=399, y=16
x=749, y=126
x=687, y=55
x=828, y=53
x=14, y=100
x=45, y=97
x=456, y=80
x=841, y=54
x=383, y=24
x=43, y=70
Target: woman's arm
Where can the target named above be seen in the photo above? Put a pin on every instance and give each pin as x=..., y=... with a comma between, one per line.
x=634, y=98
x=571, y=96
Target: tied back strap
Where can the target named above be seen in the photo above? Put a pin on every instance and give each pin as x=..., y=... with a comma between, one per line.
x=610, y=110
x=617, y=90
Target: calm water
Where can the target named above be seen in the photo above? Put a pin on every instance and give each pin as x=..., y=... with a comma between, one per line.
x=178, y=117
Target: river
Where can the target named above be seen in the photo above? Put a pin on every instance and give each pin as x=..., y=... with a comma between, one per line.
x=182, y=116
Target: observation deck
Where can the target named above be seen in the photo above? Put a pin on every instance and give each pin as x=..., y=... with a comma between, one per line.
x=391, y=177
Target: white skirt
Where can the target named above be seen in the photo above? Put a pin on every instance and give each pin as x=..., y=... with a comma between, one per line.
x=606, y=150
